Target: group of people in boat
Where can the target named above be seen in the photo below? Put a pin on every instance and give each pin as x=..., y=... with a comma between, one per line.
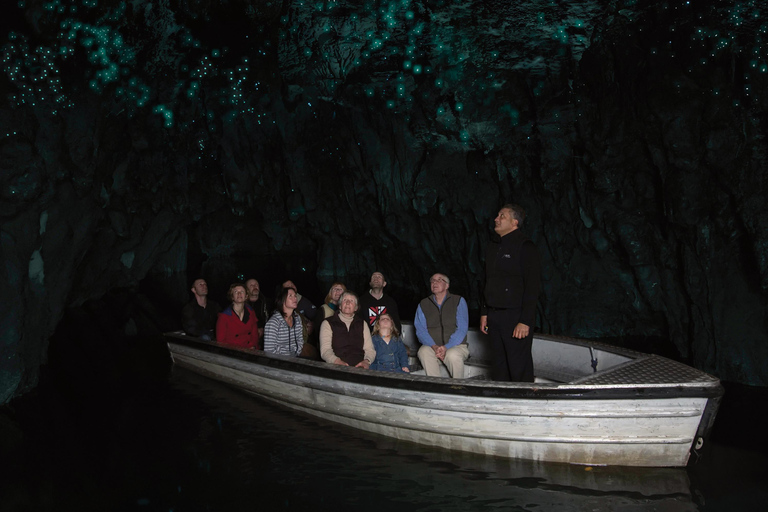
x=365, y=331
x=353, y=331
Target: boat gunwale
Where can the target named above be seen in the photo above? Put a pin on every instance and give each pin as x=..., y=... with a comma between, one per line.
x=464, y=387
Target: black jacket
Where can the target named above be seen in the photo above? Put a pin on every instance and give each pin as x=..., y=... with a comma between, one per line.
x=512, y=276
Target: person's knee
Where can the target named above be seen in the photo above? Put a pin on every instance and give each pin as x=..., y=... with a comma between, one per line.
x=425, y=352
x=454, y=357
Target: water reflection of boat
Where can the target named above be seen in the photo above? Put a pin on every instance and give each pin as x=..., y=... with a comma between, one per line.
x=597, y=481
x=592, y=404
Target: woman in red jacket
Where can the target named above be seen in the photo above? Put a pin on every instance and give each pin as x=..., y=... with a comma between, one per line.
x=237, y=325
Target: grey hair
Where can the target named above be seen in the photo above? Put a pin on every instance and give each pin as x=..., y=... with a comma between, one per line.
x=351, y=294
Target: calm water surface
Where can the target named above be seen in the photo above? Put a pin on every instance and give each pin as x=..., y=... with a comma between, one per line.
x=194, y=444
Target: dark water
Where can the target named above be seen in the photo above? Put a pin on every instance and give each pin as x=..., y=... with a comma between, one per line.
x=193, y=444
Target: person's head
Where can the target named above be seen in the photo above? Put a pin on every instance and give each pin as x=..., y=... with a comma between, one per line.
x=287, y=301
x=199, y=288
x=253, y=288
x=289, y=284
x=385, y=324
x=509, y=218
x=237, y=293
x=348, y=303
x=377, y=281
x=439, y=284
x=335, y=293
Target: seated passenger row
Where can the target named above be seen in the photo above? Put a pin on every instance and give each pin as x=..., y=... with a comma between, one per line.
x=354, y=331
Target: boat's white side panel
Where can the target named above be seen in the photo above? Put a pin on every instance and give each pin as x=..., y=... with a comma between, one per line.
x=632, y=432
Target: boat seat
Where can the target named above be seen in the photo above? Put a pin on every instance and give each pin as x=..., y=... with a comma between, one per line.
x=480, y=369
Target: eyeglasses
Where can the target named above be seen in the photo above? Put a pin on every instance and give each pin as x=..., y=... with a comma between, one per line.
x=438, y=280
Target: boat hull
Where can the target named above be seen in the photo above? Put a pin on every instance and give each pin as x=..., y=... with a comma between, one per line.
x=577, y=424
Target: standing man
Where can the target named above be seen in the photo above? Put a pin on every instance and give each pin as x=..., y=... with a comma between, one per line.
x=512, y=283
x=259, y=303
x=441, y=325
x=198, y=318
x=375, y=303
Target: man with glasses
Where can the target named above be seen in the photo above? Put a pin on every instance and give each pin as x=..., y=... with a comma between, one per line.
x=441, y=326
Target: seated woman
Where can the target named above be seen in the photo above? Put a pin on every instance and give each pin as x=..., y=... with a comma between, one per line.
x=331, y=303
x=391, y=355
x=284, y=332
x=237, y=325
x=344, y=339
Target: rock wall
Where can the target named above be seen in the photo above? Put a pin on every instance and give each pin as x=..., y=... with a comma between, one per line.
x=340, y=138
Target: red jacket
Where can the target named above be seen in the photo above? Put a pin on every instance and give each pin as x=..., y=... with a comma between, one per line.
x=230, y=330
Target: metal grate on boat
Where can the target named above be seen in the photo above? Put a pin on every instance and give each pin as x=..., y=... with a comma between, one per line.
x=648, y=370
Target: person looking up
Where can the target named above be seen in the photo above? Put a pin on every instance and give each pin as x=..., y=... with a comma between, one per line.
x=307, y=311
x=376, y=302
x=512, y=285
x=391, y=354
x=331, y=303
x=237, y=324
x=198, y=317
x=284, y=333
x=259, y=302
x=306, y=307
x=441, y=323
x=344, y=338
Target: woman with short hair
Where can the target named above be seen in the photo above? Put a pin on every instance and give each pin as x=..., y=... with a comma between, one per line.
x=237, y=325
x=344, y=339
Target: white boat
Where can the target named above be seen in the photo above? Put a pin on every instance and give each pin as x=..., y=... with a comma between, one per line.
x=591, y=404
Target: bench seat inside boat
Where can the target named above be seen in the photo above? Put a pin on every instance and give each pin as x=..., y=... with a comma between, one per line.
x=479, y=369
